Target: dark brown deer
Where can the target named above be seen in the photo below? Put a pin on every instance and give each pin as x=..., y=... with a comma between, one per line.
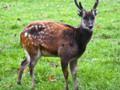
x=47, y=38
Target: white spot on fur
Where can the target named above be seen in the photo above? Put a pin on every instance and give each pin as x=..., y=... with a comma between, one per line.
x=26, y=29
x=44, y=45
x=35, y=37
x=29, y=36
x=48, y=27
x=31, y=27
x=36, y=27
x=39, y=40
x=42, y=37
x=43, y=25
x=26, y=34
x=42, y=32
x=39, y=26
x=51, y=27
x=45, y=29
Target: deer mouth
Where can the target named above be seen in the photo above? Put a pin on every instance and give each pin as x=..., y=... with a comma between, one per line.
x=90, y=27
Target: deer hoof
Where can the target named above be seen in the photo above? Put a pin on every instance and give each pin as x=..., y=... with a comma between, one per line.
x=66, y=88
x=33, y=86
x=76, y=88
x=19, y=83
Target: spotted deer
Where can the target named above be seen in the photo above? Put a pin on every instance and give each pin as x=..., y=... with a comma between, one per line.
x=48, y=38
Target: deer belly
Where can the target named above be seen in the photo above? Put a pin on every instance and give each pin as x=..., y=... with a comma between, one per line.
x=45, y=52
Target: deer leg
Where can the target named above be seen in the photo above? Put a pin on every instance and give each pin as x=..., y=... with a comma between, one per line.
x=24, y=64
x=73, y=68
x=65, y=73
x=31, y=68
x=34, y=59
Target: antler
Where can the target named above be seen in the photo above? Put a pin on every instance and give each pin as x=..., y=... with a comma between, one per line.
x=79, y=5
x=96, y=4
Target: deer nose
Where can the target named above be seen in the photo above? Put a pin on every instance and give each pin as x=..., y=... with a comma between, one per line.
x=90, y=27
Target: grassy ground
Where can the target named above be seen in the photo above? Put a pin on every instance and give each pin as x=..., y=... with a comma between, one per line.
x=98, y=68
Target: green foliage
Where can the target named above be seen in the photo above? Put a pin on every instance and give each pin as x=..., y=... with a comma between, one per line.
x=98, y=68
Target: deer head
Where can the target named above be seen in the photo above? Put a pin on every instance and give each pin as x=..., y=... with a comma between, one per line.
x=87, y=17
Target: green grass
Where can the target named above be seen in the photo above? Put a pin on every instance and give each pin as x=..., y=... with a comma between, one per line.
x=98, y=68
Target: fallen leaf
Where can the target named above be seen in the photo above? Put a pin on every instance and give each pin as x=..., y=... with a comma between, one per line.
x=61, y=20
x=9, y=86
x=57, y=6
x=29, y=9
x=24, y=71
x=19, y=19
x=92, y=39
x=11, y=41
x=106, y=38
x=5, y=7
x=54, y=65
x=77, y=26
x=95, y=59
x=15, y=35
x=0, y=51
x=44, y=15
x=116, y=9
x=98, y=27
x=1, y=16
x=51, y=78
x=18, y=69
x=88, y=52
x=48, y=78
x=48, y=60
x=4, y=45
x=8, y=5
x=118, y=43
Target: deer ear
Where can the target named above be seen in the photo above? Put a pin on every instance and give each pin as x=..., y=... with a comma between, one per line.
x=94, y=12
x=81, y=13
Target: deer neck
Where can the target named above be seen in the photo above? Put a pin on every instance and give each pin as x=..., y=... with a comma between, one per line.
x=83, y=36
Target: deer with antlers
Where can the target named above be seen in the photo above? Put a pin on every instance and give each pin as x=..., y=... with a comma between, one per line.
x=48, y=38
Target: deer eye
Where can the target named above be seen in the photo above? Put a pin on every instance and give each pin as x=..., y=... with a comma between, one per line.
x=85, y=18
x=92, y=18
